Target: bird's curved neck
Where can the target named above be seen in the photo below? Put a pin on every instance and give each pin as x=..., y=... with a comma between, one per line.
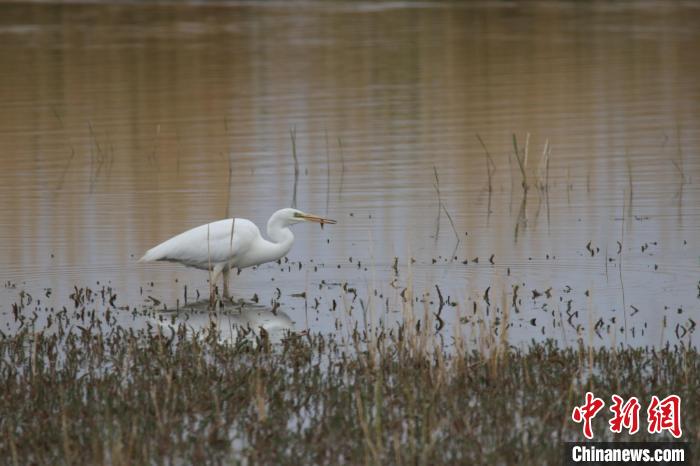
x=281, y=238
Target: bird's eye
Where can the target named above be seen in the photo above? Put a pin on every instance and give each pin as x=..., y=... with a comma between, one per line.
x=297, y=214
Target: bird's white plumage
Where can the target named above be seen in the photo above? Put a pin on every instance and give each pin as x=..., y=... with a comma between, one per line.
x=205, y=246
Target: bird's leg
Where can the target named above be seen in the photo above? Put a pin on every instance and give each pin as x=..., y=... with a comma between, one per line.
x=213, y=278
x=225, y=280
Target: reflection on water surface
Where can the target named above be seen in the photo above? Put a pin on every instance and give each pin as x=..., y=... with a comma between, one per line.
x=122, y=125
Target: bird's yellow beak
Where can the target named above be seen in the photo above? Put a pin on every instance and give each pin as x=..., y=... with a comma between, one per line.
x=317, y=219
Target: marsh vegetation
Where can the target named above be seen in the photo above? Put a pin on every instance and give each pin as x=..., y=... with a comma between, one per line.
x=85, y=389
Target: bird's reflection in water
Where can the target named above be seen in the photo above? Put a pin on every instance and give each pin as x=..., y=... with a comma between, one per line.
x=233, y=321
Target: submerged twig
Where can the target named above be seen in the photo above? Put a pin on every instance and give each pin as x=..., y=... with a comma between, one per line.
x=546, y=183
x=342, y=165
x=328, y=173
x=542, y=182
x=522, y=216
x=680, y=168
x=452, y=223
x=522, y=162
x=228, y=193
x=211, y=285
x=293, y=134
x=95, y=162
x=630, y=184
x=490, y=171
x=436, y=185
x=441, y=208
x=62, y=177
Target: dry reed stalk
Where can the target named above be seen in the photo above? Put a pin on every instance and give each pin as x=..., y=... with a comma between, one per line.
x=259, y=395
x=370, y=300
x=211, y=284
x=412, y=340
x=361, y=416
x=458, y=337
x=591, y=320
x=505, y=322
x=622, y=282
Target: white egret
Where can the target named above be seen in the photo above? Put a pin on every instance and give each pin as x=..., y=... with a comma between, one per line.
x=231, y=243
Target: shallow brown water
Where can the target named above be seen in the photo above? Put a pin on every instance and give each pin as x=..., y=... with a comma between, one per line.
x=120, y=124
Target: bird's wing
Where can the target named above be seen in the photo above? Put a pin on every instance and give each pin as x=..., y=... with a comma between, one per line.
x=206, y=244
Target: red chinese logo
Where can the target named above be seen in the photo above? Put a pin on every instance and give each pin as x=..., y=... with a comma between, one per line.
x=587, y=412
x=625, y=415
x=665, y=415
x=662, y=415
